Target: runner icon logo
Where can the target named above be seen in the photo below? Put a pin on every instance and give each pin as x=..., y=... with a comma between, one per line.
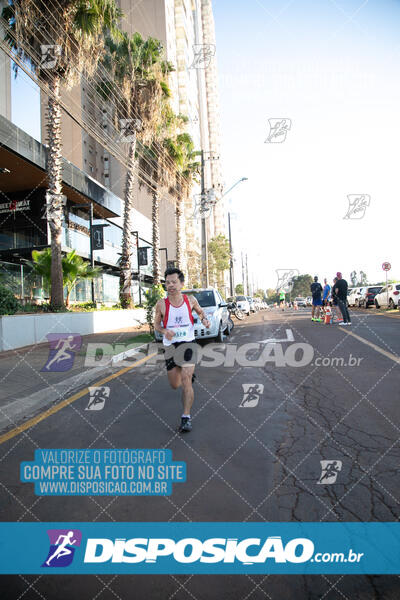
x=251, y=396
x=358, y=204
x=330, y=470
x=278, y=129
x=63, y=543
x=62, y=351
x=97, y=397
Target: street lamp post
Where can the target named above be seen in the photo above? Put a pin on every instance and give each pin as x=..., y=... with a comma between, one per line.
x=230, y=256
x=231, y=284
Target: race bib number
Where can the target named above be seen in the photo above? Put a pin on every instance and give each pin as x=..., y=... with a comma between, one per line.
x=181, y=334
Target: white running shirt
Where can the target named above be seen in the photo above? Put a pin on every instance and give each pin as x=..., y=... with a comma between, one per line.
x=180, y=319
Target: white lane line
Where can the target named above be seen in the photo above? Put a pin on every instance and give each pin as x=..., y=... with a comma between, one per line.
x=289, y=338
x=393, y=357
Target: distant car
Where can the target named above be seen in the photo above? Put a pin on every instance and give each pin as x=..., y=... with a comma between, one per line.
x=258, y=303
x=389, y=296
x=368, y=295
x=354, y=296
x=216, y=312
x=301, y=302
x=243, y=304
x=252, y=304
x=309, y=301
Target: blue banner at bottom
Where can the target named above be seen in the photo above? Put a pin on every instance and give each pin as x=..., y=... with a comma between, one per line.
x=206, y=548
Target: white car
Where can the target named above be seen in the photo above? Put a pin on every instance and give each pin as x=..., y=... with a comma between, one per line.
x=243, y=304
x=354, y=296
x=301, y=302
x=389, y=296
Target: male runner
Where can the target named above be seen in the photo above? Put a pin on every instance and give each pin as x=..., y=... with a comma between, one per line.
x=316, y=290
x=282, y=299
x=174, y=319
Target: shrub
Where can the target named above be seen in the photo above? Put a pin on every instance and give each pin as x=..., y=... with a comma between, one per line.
x=8, y=303
x=153, y=295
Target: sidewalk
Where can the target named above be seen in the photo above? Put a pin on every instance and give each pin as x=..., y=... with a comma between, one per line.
x=26, y=388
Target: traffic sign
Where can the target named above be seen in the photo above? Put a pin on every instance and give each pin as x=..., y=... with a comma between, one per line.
x=386, y=266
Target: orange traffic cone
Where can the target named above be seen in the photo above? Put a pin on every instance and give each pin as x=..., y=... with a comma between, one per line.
x=328, y=315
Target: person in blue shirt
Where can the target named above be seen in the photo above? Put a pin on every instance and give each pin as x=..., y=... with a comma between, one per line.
x=326, y=292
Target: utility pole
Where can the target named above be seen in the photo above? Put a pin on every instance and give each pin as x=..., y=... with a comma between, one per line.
x=205, y=201
x=204, y=241
x=247, y=276
x=230, y=256
x=243, y=278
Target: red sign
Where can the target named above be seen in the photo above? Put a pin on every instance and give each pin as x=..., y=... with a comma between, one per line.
x=386, y=266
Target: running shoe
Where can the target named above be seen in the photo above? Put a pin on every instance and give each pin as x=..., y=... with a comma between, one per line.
x=186, y=424
x=318, y=320
x=343, y=323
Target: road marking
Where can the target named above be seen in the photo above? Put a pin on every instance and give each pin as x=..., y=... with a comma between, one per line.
x=289, y=338
x=393, y=357
x=51, y=411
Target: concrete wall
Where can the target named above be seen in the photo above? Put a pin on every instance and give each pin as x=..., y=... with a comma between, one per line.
x=23, y=330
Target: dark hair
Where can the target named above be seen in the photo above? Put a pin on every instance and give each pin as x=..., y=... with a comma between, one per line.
x=174, y=270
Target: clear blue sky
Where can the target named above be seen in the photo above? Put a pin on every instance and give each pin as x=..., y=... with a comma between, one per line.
x=333, y=68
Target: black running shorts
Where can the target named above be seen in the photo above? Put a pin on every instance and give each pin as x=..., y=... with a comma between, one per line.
x=184, y=356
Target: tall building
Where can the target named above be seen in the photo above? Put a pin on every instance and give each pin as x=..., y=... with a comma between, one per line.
x=186, y=29
x=5, y=77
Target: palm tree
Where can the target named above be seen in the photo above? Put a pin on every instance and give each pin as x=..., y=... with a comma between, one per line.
x=74, y=267
x=181, y=150
x=75, y=30
x=138, y=70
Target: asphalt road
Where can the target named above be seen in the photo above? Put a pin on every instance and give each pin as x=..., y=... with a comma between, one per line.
x=248, y=459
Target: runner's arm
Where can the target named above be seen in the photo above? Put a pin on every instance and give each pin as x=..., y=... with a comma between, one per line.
x=197, y=308
x=158, y=318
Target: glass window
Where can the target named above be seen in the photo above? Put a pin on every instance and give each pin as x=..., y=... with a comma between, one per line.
x=205, y=298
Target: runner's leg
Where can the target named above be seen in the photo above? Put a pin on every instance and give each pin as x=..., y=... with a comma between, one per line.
x=175, y=377
x=187, y=388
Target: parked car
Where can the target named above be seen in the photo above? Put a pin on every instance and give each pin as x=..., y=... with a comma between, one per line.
x=354, y=295
x=258, y=303
x=368, y=295
x=216, y=310
x=252, y=304
x=301, y=302
x=243, y=304
x=389, y=296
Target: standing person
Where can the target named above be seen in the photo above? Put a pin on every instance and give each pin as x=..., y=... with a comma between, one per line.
x=326, y=292
x=335, y=301
x=282, y=299
x=316, y=291
x=341, y=293
x=174, y=319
